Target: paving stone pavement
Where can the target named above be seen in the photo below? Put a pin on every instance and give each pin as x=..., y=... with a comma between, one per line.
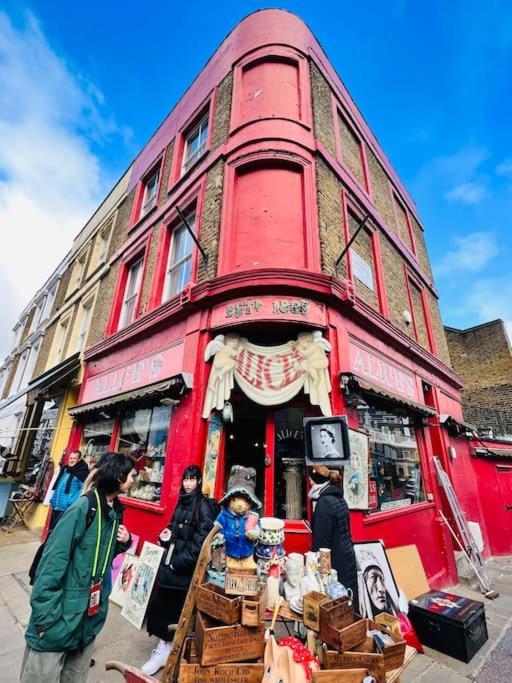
x=119, y=640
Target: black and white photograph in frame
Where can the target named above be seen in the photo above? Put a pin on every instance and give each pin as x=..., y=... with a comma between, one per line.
x=378, y=591
x=326, y=441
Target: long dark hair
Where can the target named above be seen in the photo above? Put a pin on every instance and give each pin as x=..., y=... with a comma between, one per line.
x=192, y=472
x=112, y=471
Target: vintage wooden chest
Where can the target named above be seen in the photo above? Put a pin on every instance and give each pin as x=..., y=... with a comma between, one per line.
x=213, y=601
x=311, y=615
x=449, y=623
x=336, y=615
x=191, y=671
x=339, y=676
x=220, y=644
x=253, y=609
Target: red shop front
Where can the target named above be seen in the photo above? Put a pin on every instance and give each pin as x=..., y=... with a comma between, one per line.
x=271, y=361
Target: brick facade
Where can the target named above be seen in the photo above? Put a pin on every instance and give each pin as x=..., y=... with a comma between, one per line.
x=323, y=121
x=210, y=222
x=328, y=190
x=222, y=115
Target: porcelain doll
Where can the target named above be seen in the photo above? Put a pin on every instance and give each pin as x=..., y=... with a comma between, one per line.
x=238, y=519
x=294, y=568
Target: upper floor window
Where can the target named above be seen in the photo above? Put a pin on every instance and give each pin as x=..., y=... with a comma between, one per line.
x=29, y=368
x=103, y=236
x=195, y=144
x=48, y=304
x=4, y=372
x=150, y=193
x=403, y=223
x=131, y=294
x=60, y=344
x=18, y=332
x=20, y=370
x=36, y=319
x=179, y=263
x=84, y=325
x=351, y=150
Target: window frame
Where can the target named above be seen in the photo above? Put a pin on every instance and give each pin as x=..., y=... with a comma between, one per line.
x=188, y=162
x=85, y=323
x=410, y=279
x=156, y=168
x=63, y=331
x=20, y=370
x=399, y=204
x=166, y=295
x=136, y=294
x=340, y=113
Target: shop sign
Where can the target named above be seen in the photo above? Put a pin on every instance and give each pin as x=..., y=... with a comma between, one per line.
x=147, y=370
x=269, y=308
x=269, y=375
x=370, y=366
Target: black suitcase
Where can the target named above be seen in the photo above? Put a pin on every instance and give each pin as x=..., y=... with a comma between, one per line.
x=449, y=623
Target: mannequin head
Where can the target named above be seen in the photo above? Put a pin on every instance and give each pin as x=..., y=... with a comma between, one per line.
x=294, y=569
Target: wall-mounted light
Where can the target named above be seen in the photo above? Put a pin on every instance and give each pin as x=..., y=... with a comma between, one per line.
x=407, y=317
x=227, y=412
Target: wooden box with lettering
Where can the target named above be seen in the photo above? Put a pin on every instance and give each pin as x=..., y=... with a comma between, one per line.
x=339, y=676
x=253, y=609
x=335, y=614
x=342, y=635
x=337, y=661
x=242, y=582
x=213, y=601
x=220, y=644
x=312, y=602
x=191, y=670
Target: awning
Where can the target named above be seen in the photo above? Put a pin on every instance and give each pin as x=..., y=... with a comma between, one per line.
x=455, y=425
x=482, y=452
x=55, y=378
x=354, y=384
x=172, y=388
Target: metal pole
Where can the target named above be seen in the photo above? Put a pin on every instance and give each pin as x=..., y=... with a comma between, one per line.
x=347, y=247
x=192, y=233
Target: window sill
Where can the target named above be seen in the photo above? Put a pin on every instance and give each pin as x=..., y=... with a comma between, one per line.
x=377, y=517
x=184, y=174
x=155, y=508
x=142, y=218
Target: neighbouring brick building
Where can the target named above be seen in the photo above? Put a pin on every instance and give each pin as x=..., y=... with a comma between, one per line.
x=267, y=162
x=482, y=356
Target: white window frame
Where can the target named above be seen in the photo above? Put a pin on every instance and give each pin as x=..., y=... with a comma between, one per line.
x=20, y=370
x=31, y=364
x=48, y=304
x=149, y=200
x=190, y=159
x=4, y=373
x=62, y=331
x=80, y=262
x=18, y=333
x=128, y=298
x=84, y=324
x=103, y=237
x=172, y=263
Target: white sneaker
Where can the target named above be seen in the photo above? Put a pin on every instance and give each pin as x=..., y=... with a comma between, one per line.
x=158, y=658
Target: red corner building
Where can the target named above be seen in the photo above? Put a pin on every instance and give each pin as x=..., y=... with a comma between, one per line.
x=273, y=167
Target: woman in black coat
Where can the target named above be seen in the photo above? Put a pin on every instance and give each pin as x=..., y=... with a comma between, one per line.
x=331, y=525
x=182, y=540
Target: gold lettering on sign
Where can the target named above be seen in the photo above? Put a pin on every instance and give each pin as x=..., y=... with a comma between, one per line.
x=243, y=308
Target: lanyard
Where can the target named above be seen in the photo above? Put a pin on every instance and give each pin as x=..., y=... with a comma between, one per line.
x=98, y=541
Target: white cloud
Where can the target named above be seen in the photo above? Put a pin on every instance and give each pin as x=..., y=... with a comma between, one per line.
x=505, y=168
x=468, y=193
x=50, y=177
x=471, y=253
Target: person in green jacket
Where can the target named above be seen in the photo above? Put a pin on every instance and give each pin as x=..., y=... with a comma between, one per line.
x=70, y=595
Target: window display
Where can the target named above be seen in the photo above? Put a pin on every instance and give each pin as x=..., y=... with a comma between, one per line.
x=143, y=435
x=96, y=437
x=394, y=458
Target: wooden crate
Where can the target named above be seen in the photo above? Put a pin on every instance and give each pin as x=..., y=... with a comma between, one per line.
x=213, y=601
x=191, y=671
x=335, y=613
x=390, y=622
x=242, y=583
x=365, y=654
x=339, y=676
x=253, y=609
x=311, y=615
x=220, y=644
x=341, y=636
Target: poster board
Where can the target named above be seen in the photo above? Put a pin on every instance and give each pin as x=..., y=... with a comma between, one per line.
x=355, y=473
x=118, y=560
x=408, y=570
x=124, y=578
x=139, y=593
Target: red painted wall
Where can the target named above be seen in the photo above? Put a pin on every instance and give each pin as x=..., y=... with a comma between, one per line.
x=270, y=89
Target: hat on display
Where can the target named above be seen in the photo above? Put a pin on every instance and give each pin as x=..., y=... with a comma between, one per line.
x=241, y=482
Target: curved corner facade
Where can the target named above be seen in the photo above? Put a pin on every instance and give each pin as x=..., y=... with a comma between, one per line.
x=273, y=168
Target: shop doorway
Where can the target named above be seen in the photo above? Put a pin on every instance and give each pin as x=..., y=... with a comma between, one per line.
x=272, y=441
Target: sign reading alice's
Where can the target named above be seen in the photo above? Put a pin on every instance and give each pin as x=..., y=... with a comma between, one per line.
x=269, y=308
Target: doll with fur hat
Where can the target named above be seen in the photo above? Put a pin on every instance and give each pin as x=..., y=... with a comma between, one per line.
x=238, y=519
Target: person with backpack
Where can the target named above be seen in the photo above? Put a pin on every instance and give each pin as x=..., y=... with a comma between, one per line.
x=182, y=539
x=70, y=595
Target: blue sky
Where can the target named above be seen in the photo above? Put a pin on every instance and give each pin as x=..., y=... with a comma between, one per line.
x=85, y=84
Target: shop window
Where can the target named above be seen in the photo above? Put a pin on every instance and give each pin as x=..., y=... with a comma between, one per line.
x=179, y=263
x=290, y=492
x=43, y=438
x=395, y=470
x=196, y=142
x=143, y=435
x=96, y=437
x=131, y=294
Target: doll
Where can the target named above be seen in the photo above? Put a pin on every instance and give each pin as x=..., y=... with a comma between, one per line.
x=238, y=520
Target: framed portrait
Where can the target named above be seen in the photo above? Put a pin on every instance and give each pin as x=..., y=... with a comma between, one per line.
x=141, y=586
x=326, y=441
x=355, y=472
x=377, y=587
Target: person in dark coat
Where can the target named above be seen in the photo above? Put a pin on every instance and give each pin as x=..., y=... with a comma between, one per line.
x=331, y=525
x=182, y=539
